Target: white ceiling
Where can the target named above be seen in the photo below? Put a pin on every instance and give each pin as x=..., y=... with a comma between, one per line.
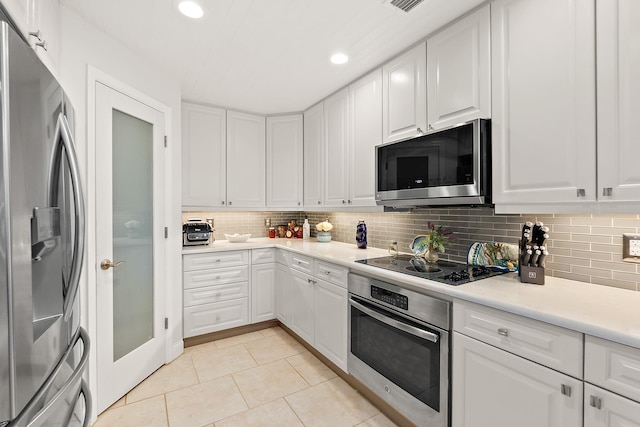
x=266, y=56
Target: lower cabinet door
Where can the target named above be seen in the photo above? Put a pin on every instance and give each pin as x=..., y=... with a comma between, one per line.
x=302, y=316
x=262, y=292
x=605, y=409
x=206, y=318
x=491, y=387
x=283, y=294
x=330, y=307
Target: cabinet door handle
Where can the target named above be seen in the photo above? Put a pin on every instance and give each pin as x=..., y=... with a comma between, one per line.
x=504, y=332
x=344, y=202
x=566, y=390
x=581, y=192
x=595, y=401
x=230, y=203
x=319, y=202
x=222, y=202
x=607, y=191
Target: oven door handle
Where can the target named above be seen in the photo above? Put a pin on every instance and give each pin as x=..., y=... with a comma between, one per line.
x=396, y=324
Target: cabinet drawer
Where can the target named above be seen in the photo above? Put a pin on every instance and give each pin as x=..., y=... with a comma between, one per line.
x=613, y=366
x=206, y=318
x=217, y=276
x=552, y=346
x=209, y=294
x=332, y=273
x=302, y=263
x=214, y=260
x=263, y=256
x=283, y=257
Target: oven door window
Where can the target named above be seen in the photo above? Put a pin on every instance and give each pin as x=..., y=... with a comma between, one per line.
x=411, y=362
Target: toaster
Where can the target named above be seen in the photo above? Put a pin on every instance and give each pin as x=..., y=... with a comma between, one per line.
x=196, y=233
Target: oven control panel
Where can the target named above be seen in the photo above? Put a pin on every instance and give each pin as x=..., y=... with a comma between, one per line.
x=390, y=297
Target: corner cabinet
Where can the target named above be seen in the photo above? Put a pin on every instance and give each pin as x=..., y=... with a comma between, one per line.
x=459, y=71
x=618, y=68
x=313, y=156
x=204, y=172
x=246, y=154
x=404, y=95
x=543, y=94
x=284, y=161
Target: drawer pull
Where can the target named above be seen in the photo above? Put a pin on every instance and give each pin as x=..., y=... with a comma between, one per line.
x=217, y=318
x=566, y=390
x=595, y=401
x=504, y=332
x=327, y=273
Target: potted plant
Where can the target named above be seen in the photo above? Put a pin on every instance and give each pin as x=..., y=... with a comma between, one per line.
x=324, y=229
x=428, y=245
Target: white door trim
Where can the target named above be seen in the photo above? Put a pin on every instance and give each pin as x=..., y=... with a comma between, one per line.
x=88, y=317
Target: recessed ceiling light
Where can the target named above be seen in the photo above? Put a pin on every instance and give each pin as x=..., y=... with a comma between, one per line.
x=190, y=9
x=339, y=58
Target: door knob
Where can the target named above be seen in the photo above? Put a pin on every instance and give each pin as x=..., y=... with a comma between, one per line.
x=107, y=264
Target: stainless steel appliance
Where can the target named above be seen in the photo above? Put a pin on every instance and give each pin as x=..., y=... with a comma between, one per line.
x=449, y=272
x=43, y=350
x=196, y=233
x=446, y=167
x=399, y=348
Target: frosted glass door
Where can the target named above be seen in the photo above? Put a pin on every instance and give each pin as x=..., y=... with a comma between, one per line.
x=132, y=238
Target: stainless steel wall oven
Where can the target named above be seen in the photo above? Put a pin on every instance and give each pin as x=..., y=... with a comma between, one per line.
x=399, y=348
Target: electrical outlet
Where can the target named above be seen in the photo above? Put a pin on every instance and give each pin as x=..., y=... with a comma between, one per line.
x=631, y=247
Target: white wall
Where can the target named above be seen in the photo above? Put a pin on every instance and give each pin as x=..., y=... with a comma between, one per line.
x=82, y=46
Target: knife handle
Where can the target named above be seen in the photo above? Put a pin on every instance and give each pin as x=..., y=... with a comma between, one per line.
x=534, y=258
x=527, y=257
x=542, y=258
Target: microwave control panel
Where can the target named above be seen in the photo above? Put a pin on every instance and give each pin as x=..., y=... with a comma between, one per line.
x=391, y=298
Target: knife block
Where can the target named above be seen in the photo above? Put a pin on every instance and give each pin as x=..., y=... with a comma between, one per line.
x=530, y=274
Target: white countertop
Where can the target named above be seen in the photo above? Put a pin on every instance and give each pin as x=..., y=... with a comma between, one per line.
x=601, y=311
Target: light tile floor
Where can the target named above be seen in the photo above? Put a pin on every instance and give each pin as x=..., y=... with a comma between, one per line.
x=263, y=378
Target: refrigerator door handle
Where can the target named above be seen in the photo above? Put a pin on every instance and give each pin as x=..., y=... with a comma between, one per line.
x=63, y=134
x=25, y=419
x=86, y=397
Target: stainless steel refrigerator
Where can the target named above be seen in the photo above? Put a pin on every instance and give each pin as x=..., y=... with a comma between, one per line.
x=43, y=350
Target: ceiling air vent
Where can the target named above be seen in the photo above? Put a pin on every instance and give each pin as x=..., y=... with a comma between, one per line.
x=404, y=5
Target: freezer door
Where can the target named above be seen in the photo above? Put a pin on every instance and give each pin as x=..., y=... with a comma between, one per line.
x=63, y=400
x=43, y=211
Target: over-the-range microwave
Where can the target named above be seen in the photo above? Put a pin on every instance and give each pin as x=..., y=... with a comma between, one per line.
x=451, y=166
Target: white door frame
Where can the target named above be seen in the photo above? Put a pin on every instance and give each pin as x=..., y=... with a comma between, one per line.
x=91, y=263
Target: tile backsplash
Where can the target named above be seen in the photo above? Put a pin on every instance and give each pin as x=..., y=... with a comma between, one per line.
x=586, y=248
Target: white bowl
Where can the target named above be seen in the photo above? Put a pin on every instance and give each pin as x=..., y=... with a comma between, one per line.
x=237, y=238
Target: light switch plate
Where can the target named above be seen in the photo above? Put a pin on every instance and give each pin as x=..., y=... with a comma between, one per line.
x=631, y=247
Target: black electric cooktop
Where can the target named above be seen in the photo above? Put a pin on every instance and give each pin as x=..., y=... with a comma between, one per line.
x=449, y=272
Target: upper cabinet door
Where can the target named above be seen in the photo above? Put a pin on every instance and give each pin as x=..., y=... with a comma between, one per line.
x=459, y=72
x=245, y=160
x=313, y=155
x=404, y=95
x=543, y=93
x=365, y=110
x=204, y=133
x=618, y=70
x=336, y=133
x=284, y=161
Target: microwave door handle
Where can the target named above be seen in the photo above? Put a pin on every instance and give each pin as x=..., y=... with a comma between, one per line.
x=63, y=135
x=396, y=324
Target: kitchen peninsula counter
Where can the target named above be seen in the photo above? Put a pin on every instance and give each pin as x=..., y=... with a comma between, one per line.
x=601, y=311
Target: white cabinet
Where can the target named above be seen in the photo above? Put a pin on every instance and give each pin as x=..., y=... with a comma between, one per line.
x=605, y=409
x=509, y=370
x=301, y=318
x=491, y=387
x=39, y=22
x=284, y=161
x=618, y=68
x=404, y=95
x=459, y=72
x=313, y=155
x=317, y=306
x=263, y=292
x=336, y=149
x=543, y=95
x=204, y=173
x=216, y=291
x=246, y=151
x=612, y=384
x=365, y=113
x=283, y=293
